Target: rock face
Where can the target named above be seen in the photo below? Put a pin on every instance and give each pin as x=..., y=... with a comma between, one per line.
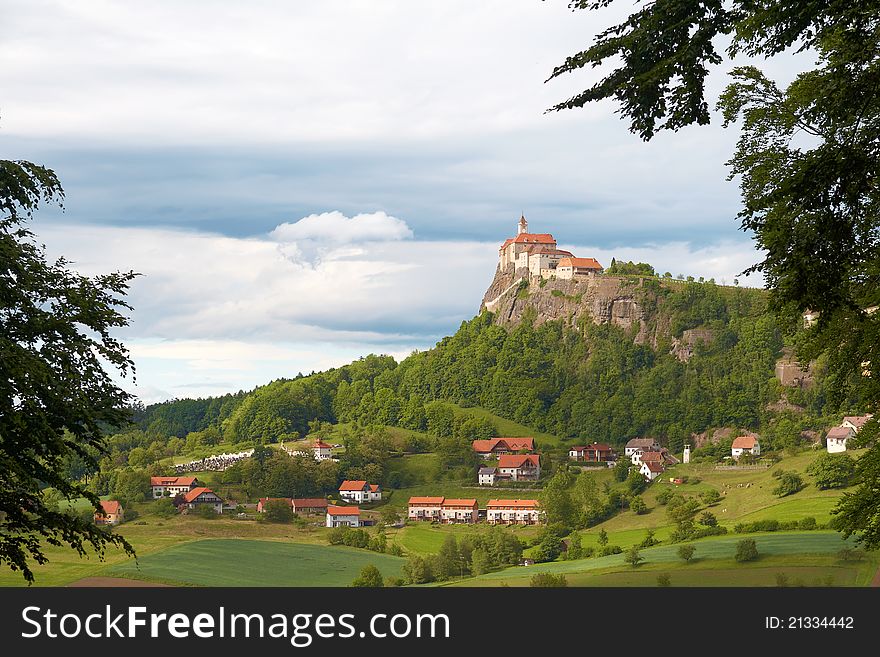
x=604, y=299
x=683, y=348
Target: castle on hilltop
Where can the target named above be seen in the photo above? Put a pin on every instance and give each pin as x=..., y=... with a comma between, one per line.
x=537, y=255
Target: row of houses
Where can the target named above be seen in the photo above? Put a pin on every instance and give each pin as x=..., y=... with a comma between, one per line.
x=452, y=511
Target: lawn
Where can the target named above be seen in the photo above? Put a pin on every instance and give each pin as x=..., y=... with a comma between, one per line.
x=776, y=550
x=236, y=562
x=150, y=534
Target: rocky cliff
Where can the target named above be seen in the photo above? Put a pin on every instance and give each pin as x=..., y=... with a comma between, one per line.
x=622, y=301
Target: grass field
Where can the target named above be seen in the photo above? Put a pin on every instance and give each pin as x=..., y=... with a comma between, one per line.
x=714, y=558
x=235, y=562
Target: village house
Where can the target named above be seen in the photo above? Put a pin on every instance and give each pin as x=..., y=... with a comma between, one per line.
x=172, y=486
x=202, y=496
x=498, y=446
x=855, y=422
x=360, y=491
x=745, y=444
x=486, y=476
x=309, y=505
x=343, y=516
x=425, y=508
x=519, y=467
x=651, y=470
x=112, y=514
x=644, y=444
x=321, y=450
x=569, y=268
x=513, y=512
x=456, y=511
x=835, y=439
x=598, y=452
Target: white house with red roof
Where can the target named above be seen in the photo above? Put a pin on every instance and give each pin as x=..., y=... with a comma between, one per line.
x=836, y=438
x=425, y=508
x=856, y=422
x=360, y=491
x=172, y=486
x=459, y=511
x=202, y=496
x=572, y=267
x=745, y=444
x=538, y=255
x=343, y=516
x=519, y=467
x=486, y=476
x=112, y=514
x=651, y=469
x=513, y=512
x=322, y=451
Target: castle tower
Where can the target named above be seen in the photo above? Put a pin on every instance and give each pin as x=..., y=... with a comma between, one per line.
x=686, y=457
x=523, y=226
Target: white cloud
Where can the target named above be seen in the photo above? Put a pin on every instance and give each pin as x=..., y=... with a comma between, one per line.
x=335, y=228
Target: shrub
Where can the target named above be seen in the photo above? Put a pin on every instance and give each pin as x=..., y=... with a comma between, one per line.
x=789, y=483
x=808, y=524
x=164, y=508
x=707, y=518
x=637, y=505
x=663, y=579
x=204, y=511
x=686, y=552
x=610, y=549
x=832, y=470
x=711, y=496
x=665, y=495
x=632, y=557
x=548, y=580
x=369, y=577
x=130, y=514
x=746, y=550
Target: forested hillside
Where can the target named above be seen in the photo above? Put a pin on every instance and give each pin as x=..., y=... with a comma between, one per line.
x=573, y=378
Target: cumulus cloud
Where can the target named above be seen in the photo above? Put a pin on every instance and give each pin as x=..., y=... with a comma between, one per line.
x=324, y=235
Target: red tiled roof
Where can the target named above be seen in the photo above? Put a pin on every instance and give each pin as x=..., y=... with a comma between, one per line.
x=111, y=506
x=374, y=488
x=517, y=504
x=839, y=432
x=470, y=503
x=529, y=238
x=517, y=460
x=514, y=444
x=585, y=263
x=857, y=420
x=195, y=493
x=343, y=511
x=426, y=501
x=320, y=444
x=353, y=485
x=652, y=457
x=172, y=481
x=653, y=467
x=743, y=442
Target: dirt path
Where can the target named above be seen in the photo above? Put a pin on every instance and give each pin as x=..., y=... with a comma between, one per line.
x=112, y=581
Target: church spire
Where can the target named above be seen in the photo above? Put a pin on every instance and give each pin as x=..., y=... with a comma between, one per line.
x=523, y=225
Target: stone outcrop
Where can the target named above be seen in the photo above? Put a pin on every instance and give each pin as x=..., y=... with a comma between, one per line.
x=604, y=299
x=683, y=348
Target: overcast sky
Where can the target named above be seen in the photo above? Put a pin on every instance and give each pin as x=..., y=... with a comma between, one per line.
x=301, y=184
